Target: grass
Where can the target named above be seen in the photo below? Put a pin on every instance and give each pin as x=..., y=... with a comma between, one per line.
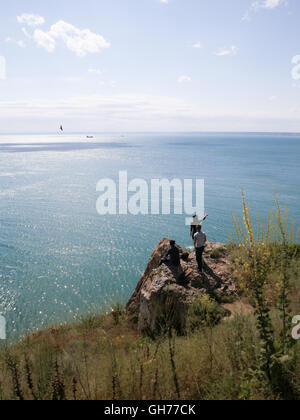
x=205, y=312
x=218, y=253
x=103, y=358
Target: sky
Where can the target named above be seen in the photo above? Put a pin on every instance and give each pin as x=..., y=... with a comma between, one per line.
x=150, y=65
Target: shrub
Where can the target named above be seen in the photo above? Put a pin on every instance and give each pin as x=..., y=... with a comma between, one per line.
x=118, y=312
x=262, y=253
x=218, y=253
x=205, y=312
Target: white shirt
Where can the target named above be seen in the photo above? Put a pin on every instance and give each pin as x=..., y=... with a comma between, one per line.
x=200, y=239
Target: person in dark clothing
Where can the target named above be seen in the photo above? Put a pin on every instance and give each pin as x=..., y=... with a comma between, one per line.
x=173, y=255
x=199, y=241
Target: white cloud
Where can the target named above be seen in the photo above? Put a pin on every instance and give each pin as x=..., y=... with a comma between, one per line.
x=132, y=106
x=20, y=43
x=164, y=1
x=198, y=45
x=98, y=72
x=262, y=4
x=44, y=40
x=2, y=68
x=296, y=68
x=95, y=71
x=79, y=41
x=184, y=78
x=227, y=51
x=266, y=4
x=30, y=19
x=273, y=98
x=25, y=32
x=140, y=112
x=72, y=79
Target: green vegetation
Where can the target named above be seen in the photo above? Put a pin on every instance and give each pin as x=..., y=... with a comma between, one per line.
x=244, y=357
x=264, y=272
x=205, y=312
x=218, y=253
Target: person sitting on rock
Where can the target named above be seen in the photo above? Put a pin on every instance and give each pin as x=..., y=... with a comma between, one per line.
x=199, y=241
x=173, y=256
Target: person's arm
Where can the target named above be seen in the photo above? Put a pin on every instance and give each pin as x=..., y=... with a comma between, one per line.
x=195, y=241
x=204, y=218
x=205, y=239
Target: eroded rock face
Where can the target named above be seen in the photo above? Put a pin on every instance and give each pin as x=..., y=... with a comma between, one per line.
x=164, y=293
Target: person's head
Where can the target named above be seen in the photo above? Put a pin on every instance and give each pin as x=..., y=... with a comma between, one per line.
x=199, y=228
x=195, y=216
x=172, y=243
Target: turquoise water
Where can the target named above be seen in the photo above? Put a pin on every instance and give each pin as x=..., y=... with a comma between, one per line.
x=60, y=260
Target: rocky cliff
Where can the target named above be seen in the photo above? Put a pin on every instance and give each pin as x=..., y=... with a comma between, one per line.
x=165, y=292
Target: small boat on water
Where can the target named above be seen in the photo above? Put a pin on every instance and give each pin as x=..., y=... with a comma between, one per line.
x=89, y=137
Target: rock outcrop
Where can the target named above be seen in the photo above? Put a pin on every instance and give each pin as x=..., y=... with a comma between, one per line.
x=165, y=293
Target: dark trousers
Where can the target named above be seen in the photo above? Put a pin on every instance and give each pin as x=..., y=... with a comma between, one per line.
x=169, y=262
x=199, y=254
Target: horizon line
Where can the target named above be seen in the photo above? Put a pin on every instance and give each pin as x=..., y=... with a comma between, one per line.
x=151, y=132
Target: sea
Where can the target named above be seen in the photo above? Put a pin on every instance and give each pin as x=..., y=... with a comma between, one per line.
x=60, y=260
